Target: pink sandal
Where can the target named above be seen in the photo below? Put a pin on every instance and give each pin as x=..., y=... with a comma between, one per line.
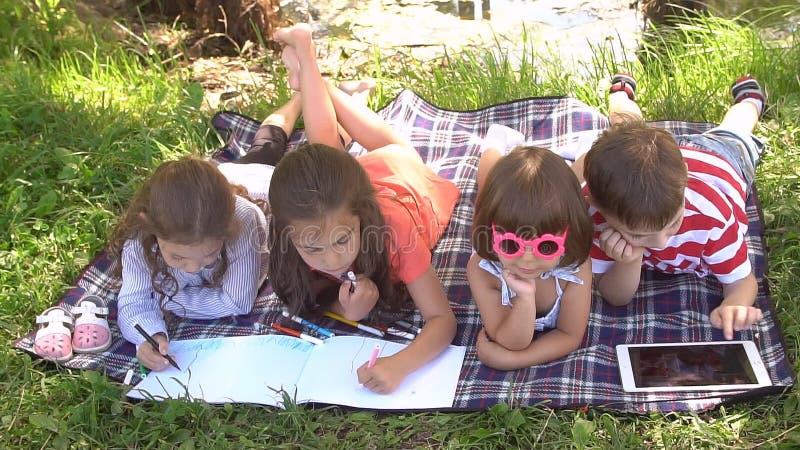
x=91, y=327
x=52, y=341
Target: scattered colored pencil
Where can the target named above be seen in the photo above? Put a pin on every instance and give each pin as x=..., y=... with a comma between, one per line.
x=408, y=325
x=311, y=325
x=295, y=333
x=395, y=332
x=353, y=323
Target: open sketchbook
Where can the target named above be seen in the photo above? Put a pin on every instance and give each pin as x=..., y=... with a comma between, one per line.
x=260, y=369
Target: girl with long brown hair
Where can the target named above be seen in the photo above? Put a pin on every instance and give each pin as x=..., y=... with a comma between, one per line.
x=378, y=216
x=190, y=244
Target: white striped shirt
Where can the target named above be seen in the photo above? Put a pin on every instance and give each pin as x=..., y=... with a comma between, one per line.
x=247, y=255
x=711, y=239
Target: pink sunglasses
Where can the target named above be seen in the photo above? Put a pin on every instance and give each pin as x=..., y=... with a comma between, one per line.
x=548, y=246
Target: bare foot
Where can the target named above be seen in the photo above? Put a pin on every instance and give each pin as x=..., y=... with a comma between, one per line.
x=297, y=36
x=359, y=90
x=356, y=86
x=298, y=46
x=289, y=58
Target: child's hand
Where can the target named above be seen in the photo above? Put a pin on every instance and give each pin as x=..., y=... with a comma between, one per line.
x=734, y=318
x=523, y=287
x=382, y=378
x=151, y=358
x=361, y=300
x=615, y=246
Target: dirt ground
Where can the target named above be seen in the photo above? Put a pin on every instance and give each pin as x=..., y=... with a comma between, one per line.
x=349, y=33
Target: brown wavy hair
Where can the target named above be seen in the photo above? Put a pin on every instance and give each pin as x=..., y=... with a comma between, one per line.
x=531, y=191
x=308, y=184
x=184, y=201
x=636, y=173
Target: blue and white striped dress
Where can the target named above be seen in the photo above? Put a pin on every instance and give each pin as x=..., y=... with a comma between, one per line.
x=248, y=258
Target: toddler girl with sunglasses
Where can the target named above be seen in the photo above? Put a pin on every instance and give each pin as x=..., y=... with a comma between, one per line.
x=530, y=271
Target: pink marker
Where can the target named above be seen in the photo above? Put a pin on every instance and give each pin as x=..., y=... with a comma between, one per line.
x=374, y=356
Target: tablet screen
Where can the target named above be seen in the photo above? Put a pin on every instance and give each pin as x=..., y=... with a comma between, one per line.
x=691, y=365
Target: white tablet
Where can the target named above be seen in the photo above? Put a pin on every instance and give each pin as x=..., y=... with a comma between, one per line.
x=693, y=366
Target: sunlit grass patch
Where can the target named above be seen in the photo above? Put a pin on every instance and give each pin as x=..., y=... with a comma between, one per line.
x=83, y=121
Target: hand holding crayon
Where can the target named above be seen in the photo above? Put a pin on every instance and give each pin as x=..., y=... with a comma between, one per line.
x=148, y=357
x=357, y=294
x=352, y=277
x=381, y=375
x=374, y=356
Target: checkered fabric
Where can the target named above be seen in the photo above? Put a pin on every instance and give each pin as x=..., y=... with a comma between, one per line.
x=667, y=308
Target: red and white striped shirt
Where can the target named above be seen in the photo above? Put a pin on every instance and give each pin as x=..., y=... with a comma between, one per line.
x=711, y=239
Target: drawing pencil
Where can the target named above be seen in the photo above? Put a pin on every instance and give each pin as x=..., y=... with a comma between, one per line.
x=321, y=330
x=374, y=356
x=395, y=332
x=352, y=277
x=353, y=323
x=408, y=325
x=295, y=333
x=155, y=345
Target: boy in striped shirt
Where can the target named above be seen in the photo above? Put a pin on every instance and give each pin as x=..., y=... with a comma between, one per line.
x=675, y=204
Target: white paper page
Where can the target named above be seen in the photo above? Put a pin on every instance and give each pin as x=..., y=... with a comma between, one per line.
x=330, y=376
x=242, y=369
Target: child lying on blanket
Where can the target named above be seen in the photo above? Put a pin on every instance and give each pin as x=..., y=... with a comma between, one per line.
x=191, y=244
x=675, y=204
x=208, y=261
x=378, y=215
x=530, y=271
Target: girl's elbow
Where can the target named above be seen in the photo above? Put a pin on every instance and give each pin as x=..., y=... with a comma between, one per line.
x=573, y=343
x=615, y=298
x=487, y=361
x=570, y=340
x=515, y=341
x=447, y=324
x=513, y=345
x=501, y=362
x=243, y=310
x=450, y=320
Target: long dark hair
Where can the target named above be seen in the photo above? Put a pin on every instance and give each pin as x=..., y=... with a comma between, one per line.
x=309, y=184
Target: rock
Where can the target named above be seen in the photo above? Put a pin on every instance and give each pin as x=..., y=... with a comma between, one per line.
x=348, y=32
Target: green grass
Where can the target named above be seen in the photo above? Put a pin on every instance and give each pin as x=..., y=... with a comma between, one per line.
x=83, y=121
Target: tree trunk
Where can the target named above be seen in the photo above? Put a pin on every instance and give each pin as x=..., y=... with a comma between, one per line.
x=223, y=26
x=670, y=12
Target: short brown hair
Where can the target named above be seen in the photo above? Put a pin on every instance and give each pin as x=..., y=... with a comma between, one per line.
x=530, y=192
x=636, y=174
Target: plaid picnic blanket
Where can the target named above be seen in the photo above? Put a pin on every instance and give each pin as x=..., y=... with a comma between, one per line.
x=668, y=308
